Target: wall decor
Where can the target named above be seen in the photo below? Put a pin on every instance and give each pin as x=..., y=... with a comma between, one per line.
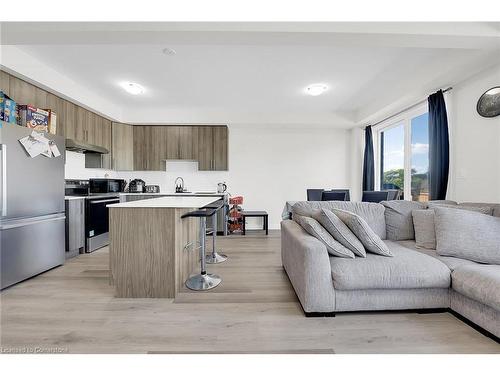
x=488, y=104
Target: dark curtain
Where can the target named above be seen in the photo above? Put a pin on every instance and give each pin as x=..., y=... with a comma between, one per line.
x=368, y=162
x=439, y=147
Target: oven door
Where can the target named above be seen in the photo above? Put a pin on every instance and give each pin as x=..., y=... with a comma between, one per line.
x=97, y=216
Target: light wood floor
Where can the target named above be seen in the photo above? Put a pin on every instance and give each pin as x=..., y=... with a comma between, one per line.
x=254, y=310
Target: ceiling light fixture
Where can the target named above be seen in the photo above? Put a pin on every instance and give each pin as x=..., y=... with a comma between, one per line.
x=132, y=88
x=169, y=51
x=316, y=89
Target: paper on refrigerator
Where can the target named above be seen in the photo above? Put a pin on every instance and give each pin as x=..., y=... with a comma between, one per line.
x=37, y=144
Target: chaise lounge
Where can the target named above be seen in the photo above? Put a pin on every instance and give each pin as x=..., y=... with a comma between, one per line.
x=412, y=279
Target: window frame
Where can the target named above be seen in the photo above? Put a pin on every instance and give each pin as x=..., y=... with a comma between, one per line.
x=404, y=119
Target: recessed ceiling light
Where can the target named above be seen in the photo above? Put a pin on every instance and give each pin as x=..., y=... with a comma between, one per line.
x=316, y=89
x=132, y=88
x=169, y=51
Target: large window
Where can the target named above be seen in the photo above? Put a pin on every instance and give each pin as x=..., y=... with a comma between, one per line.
x=403, y=152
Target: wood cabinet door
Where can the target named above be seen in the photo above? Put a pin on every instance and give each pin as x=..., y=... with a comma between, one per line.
x=81, y=124
x=157, y=150
x=220, y=136
x=5, y=82
x=69, y=123
x=185, y=141
x=22, y=92
x=205, y=148
x=172, y=140
x=122, y=147
x=140, y=148
x=106, y=142
x=56, y=104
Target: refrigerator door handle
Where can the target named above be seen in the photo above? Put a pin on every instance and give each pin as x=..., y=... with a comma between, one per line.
x=4, y=179
x=31, y=221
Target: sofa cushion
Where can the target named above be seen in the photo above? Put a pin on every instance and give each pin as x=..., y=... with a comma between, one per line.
x=315, y=229
x=469, y=235
x=481, y=282
x=406, y=269
x=423, y=221
x=451, y=262
x=495, y=207
x=425, y=232
x=339, y=231
x=372, y=213
x=362, y=230
x=398, y=219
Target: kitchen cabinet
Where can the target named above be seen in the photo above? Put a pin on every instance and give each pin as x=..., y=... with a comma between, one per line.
x=140, y=148
x=75, y=227
x=122, y=147
x=69, y=124
x=56, y=104
x=4, y=82
x=20, y=91
x=220, y=137
x=212, y=148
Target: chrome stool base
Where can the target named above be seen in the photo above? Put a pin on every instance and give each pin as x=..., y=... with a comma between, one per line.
x=203, y=281
x=215, y=258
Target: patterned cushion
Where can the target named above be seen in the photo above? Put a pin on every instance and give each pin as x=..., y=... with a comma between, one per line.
x=362, y=230
x=315, y=229
x=339, y=231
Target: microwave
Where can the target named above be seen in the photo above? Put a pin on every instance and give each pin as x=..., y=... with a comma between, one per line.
x=106, y=185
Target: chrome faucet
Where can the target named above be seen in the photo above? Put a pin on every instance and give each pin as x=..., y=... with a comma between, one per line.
x=179, y=188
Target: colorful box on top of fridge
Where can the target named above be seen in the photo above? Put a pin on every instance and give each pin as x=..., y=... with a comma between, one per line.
x=52, y=121
x=8, y=112
x=33, y=118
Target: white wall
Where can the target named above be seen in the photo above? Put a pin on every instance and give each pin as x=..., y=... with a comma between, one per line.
x=475, y=142
x=268, y=165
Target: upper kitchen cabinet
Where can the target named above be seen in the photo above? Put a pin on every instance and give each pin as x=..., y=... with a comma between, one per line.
x=180, y=142
x=56, y=104
x=69, y=124
x=123, y=147
x=212, y=148
x=149, y=150
x=220, y=148
x=4, y=82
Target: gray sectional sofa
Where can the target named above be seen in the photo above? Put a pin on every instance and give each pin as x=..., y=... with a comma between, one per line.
x=412, y=279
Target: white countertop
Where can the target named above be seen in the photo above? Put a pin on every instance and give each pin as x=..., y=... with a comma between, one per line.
x=167, y=202
x=191, y=194
x=70, y=198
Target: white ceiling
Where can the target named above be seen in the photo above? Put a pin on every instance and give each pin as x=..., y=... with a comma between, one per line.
x=256, y=73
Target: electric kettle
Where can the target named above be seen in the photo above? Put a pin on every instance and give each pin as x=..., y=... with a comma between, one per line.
x=221, y=187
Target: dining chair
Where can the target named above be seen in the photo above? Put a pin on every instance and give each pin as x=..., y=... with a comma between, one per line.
x=314, y=194
x=375, y=196
x=333, y=196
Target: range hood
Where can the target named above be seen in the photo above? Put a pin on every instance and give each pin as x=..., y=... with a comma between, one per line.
x=79, y=146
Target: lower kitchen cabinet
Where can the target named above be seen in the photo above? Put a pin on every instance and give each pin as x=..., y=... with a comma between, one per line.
x=75, y=227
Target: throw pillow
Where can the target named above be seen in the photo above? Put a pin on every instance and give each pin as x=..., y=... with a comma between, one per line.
x=423, y=220
x=399, y=220
x=468, y=235
x=315, y=229
x=339, y=231
x=362, y=230
x=425, y=233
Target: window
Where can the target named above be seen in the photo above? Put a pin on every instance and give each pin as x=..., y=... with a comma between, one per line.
x=402, y=148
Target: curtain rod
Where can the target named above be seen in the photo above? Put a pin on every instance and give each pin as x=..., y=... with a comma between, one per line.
x=407, y=108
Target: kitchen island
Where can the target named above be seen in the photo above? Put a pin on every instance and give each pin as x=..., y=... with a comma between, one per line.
x=152, y=250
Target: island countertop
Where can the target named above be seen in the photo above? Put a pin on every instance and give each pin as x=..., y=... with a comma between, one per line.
x=168, y=202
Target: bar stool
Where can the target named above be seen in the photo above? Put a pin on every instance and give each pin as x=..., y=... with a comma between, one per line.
x=203, y=280
x=215, y=257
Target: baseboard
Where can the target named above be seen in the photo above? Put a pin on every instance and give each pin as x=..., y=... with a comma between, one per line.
x=319, y=314
x=475, y=326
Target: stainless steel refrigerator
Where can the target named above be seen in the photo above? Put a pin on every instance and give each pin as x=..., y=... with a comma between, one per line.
x=32, y=206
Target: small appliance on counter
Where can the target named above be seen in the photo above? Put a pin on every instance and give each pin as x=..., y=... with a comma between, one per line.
x=221, y=187
x=152, y=188
x=106, y=185
x=137, y=186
